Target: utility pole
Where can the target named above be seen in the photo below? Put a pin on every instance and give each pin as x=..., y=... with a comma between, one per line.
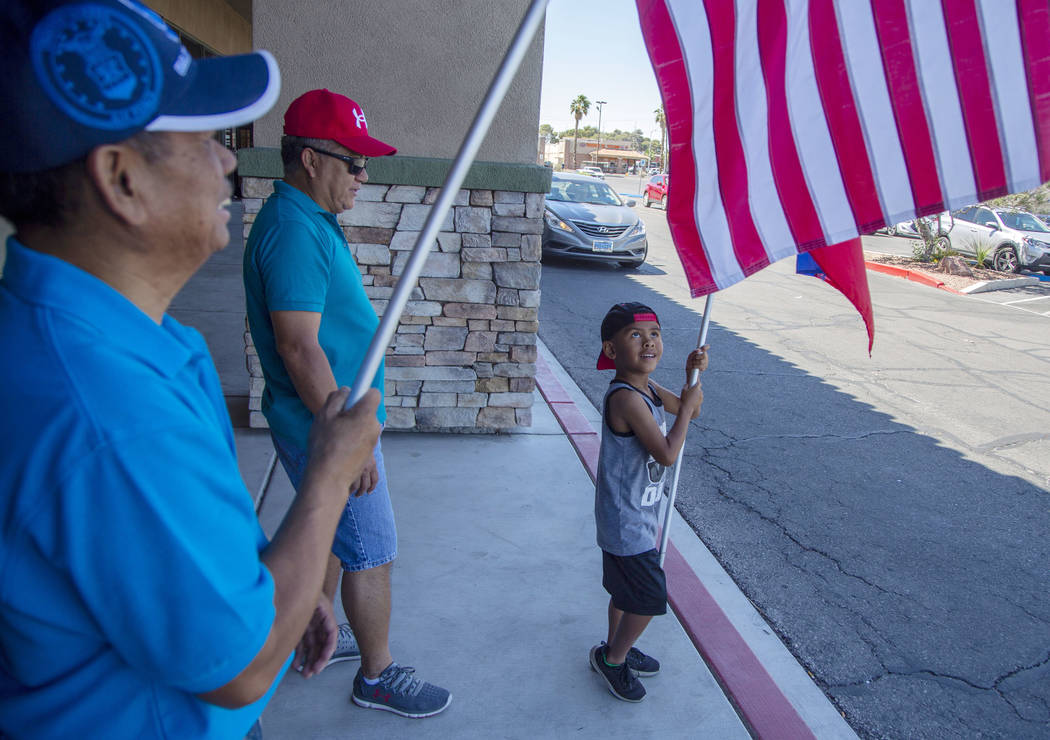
x=599, y=103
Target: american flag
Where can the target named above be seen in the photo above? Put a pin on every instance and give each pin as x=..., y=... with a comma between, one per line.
x=799, y=124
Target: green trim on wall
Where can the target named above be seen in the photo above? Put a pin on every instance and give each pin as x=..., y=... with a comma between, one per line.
x=397, y=170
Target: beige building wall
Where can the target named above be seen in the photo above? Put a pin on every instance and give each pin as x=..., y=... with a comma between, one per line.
x=419, y=69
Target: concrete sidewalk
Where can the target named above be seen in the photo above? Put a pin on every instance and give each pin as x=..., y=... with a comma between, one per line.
x=497, y=587
x=498, y=597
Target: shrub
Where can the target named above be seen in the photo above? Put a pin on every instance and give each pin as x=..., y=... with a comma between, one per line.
x=982, y=250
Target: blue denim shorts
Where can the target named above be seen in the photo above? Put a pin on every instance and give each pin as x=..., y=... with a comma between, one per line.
x=366, y=536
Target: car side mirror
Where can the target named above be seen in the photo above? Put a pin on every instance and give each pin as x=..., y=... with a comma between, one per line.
x=632, y=203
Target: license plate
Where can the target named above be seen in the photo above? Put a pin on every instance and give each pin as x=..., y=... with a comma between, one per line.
x=602, y=245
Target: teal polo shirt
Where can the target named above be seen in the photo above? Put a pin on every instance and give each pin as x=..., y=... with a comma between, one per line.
x=130, y=576
x=297, y=259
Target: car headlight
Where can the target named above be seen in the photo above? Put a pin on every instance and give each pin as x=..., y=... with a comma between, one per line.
x=639, y=228
x=1033, y=242
x=554, y=222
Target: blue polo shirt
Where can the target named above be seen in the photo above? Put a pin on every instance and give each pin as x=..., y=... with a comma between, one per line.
x=297, y=259
x=130, y=577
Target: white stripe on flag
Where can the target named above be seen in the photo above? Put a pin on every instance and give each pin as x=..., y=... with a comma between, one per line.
x=810, y=129
x=694, y=39
x=941, y=97
x=1002, y=48
x=752, y=116
x=868, y=82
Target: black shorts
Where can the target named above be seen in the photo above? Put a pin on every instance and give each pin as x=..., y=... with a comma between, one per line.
x=636, y=583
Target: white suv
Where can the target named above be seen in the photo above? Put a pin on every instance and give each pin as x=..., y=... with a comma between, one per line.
x=1016, y=239
x=592, y=171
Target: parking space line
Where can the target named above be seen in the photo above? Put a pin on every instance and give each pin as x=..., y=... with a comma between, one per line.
x=1027, y=300
x=988, y=298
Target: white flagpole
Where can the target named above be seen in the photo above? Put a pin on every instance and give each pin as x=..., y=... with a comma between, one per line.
x=468, y=150
x=694, y=378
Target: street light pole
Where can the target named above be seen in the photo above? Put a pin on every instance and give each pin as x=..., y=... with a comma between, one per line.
x=599, y=104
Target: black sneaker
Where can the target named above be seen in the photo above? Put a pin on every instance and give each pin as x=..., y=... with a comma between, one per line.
x=620, y=679
x=399, y=692
x=640, y=663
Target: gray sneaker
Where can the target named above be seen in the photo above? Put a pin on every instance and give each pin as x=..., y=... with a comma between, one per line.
x=346, y=648
x=620, y=679
x=399, y=692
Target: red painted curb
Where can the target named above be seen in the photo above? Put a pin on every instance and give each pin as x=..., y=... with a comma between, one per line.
x=915, y=277
x=758, y=700
x=549, y=386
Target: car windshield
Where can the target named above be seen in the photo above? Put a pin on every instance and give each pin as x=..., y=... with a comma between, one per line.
x=1022, y=221
x=596, y=192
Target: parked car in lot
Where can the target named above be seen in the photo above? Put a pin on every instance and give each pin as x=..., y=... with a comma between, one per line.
x=941, y=224
x=656, y=190
x=585, y=219
x=1015, y=240
x=592, y=172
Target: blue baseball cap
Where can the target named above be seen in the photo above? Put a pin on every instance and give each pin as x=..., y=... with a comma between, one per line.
x=81, y=73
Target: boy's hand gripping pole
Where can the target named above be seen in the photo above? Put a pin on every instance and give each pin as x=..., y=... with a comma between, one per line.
x=519, y=46
x=694, y=378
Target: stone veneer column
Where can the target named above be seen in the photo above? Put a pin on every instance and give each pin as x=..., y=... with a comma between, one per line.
x=463, y=358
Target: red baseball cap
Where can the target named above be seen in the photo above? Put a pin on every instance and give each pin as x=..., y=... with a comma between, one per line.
x=323, y=114
x=617, y=317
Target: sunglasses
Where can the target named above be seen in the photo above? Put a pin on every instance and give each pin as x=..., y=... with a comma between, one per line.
x=356, y=165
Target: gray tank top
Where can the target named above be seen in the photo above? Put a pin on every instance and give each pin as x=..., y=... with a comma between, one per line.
x=630, y=483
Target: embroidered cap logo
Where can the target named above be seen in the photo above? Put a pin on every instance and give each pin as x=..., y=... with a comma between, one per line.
x=97, y=66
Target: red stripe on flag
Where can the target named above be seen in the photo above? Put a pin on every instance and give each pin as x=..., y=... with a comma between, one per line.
x=844, y=270
x=661, y=40
x=975, y=96
x=840, y=110
x=729, y=149
x=913, y=129
x=1033, y=17
x=788, y=175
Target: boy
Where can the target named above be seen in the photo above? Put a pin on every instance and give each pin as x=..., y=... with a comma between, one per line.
x=636, y=448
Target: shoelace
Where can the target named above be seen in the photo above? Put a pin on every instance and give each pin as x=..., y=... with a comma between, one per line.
x=636, y=656
x=626, y=675
x=400, y=680
x=346, y=637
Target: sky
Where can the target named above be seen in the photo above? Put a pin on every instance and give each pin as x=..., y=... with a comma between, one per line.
x=595, y=48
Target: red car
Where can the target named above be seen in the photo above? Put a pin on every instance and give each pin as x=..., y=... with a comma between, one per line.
x=656, y=190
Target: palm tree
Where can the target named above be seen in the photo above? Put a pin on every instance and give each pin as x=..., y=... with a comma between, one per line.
x=579, y=107
x=661, y=121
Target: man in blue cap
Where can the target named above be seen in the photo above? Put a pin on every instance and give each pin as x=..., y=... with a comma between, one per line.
x=138, y=595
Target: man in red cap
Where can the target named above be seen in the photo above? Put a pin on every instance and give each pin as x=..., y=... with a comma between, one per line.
x=312, y=322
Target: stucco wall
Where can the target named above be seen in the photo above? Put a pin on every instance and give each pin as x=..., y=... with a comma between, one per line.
x=419, y=69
